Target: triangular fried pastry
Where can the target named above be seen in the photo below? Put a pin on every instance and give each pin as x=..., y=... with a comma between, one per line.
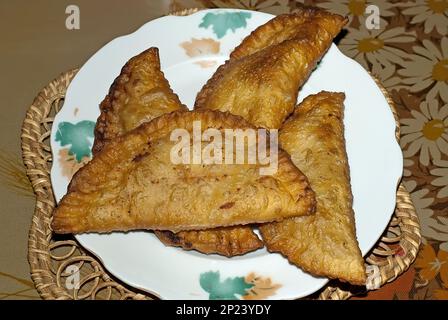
x=260, y=81
x=323, y=244
x=226, y=241
x=139, y=94
x=302, y=26
x=276, y=89
x=134, y=183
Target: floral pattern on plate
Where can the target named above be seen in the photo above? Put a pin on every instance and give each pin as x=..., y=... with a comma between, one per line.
x=76, y=138
x=249, y=287
x=222, y=22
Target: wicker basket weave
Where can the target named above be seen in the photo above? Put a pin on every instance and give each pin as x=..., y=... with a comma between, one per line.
x=50, y=255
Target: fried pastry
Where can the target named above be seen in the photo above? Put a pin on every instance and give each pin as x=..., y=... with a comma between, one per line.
x=139, y=94
x=226, y=241
x=134, y=184
x=323, y=244
x=260, y=81
x=263, y=88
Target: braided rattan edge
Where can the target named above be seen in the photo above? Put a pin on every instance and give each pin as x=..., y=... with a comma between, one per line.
x=392, y=256
x=36, y=156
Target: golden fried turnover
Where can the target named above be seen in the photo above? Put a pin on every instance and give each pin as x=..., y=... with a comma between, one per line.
x=323, y=244
x=134, y=183
x=275, y=80
x=226, y=241
x=263, y=88
x=139, y=94
x=260, y=81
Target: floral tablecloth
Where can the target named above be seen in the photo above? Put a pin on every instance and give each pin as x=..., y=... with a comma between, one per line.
x=409, y=54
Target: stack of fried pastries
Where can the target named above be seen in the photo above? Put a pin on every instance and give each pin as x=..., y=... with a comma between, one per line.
x=304, y=210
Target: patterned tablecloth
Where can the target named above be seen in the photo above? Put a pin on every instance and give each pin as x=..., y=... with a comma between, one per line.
x=408, y=53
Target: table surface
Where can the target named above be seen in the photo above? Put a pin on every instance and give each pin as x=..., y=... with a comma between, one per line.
x=408, y=53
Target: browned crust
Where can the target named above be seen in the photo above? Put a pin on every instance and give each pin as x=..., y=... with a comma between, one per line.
x=100, y=127
x=106, y=127
x=271, y=33
x=122, y=150
x=229, y=241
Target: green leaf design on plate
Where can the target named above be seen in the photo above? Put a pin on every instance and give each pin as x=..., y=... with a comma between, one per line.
x=221, y=22
x=77, y=136
x=223, y=290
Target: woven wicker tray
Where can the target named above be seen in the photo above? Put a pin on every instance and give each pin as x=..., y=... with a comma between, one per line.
x=49, y=255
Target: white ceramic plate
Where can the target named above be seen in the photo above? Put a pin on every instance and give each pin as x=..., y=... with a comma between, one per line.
x=191, y=48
